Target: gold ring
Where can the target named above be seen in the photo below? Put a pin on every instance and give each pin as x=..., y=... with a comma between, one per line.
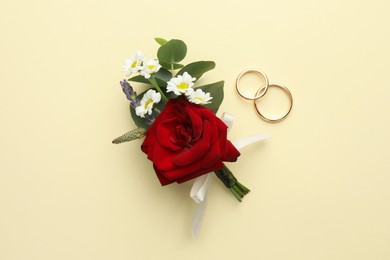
x=258, y=94
x=289, y=109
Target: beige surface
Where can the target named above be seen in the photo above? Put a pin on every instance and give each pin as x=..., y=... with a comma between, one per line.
x=320, y=186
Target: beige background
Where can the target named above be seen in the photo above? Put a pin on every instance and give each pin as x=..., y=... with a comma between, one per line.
x=320, y=185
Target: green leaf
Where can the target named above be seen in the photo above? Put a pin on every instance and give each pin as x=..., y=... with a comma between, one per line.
x=160, y=41
x=162, y=77
x=172, y=52
x=168, y=65
x=139, y=121
x=198, y=68
x=216, y=91
x=139, y=79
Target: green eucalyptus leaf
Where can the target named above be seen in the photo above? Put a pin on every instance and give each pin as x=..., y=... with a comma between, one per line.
x=178, y=66
x=160, y=41
x=140, y=79
x=198, y=68
x=172, y=52
x=139, y=121
x=162, y=77
x=168, y=65
x=216, y=91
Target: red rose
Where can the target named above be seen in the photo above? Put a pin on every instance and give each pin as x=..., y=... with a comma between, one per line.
x=185, y=141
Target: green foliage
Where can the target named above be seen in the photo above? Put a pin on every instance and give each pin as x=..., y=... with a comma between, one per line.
x=198, y=68
x=169, y=67
x=173, y=51
x=162, y=77
x=170, y=53
x=160, y=41
x=216, y=91
x=139, y=121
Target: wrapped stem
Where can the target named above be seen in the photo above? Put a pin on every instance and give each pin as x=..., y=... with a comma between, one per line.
x=231, y=182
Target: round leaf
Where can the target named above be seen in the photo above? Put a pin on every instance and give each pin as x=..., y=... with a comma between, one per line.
x=216, y=91
x=172, y=52
x=160, y=41
x=198, y=68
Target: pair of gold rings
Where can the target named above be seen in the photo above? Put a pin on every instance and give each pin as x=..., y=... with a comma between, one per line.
x=261, y=92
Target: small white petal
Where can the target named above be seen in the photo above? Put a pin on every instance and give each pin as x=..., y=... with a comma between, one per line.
x=181, y=84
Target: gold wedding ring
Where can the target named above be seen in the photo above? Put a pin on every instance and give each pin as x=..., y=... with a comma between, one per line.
x=259, y=94
x=274, y=120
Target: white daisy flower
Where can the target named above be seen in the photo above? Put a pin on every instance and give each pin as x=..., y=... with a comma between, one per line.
x=133, y=64
x=199, y=97
x=181, y=84
x=150, y=67
x=150, y=98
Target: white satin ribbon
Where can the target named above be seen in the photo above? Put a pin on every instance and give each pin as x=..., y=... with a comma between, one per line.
x=201, y=185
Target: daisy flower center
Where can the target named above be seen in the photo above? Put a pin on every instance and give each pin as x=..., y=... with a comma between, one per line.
x=147, y=103
x=182, y=85
x=151, y=67
x=134, y=64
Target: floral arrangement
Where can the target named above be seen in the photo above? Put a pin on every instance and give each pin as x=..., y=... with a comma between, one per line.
x=176, y=117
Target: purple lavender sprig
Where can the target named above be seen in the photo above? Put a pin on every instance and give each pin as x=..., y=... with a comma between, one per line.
x=149, y=119
x=130, y=93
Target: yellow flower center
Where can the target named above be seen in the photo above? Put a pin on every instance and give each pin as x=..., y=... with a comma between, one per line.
x=182, y=85
x=148, y=103
x=134, y=64
x=200, y=99
x=151, y=67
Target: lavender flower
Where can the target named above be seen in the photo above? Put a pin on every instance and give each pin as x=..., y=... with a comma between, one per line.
x=135, y=103
x=130, y=93
x=150, y=119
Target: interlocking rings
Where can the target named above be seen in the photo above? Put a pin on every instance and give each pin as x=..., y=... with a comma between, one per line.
x=261, y=92
x=270, y=120
x=258, y=95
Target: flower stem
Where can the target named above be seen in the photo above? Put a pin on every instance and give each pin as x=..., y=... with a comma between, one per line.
x=172, y=69
x=238, y=197
x=153, y=81
x=228, y=179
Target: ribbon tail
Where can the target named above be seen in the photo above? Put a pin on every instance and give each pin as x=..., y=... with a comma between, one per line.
x=245, y=141
x=199, y=188
x=199, y=195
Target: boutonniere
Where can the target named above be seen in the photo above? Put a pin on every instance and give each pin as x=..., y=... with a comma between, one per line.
x=176, y=117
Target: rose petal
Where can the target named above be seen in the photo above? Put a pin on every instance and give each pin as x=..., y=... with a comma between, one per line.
x=213, y=155
x=162, y=158
x=163, y=180
x=166, y=132
x=188, y=177
x=232, y=153
x=179, y=172
x=196, y=121
x=149, y=142
x=197, y=151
